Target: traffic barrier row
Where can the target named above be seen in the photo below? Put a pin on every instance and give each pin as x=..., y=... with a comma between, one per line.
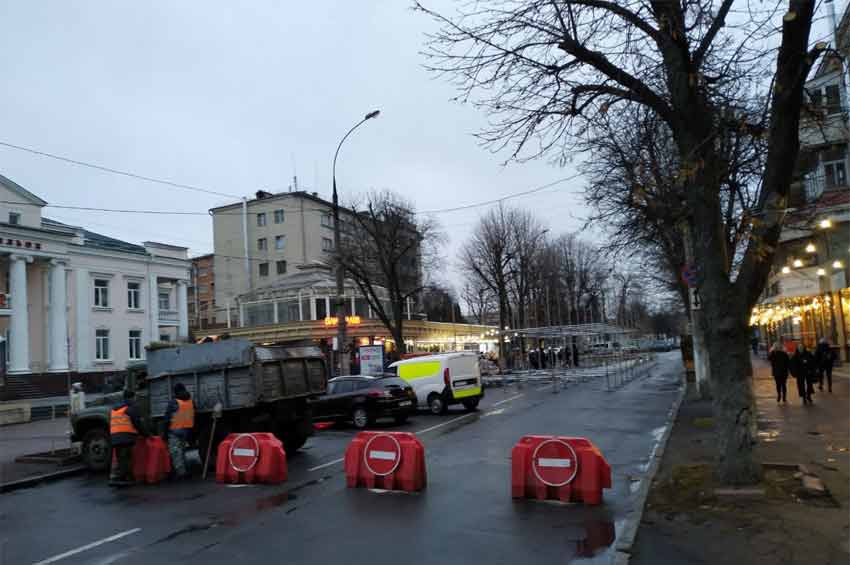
x=251, y=458
x=568, y=469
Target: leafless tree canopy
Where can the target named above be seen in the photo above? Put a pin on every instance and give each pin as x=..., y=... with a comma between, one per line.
x=716, y=76
x=385, y=251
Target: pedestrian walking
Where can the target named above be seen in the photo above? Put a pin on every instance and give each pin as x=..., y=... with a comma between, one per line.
x=825, y=359
x=77, y=399
x=754, y=344
x=779, y=362
x=802, y=368
x=125, y=426
x=180, y=415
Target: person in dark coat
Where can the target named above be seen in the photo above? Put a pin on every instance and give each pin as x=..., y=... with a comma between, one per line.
x=825, y=359
x=125, y=426
x=803, y=369
x=779, y=362
x=575, y=355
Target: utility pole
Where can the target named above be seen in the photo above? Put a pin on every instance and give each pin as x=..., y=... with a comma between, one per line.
x=701, y=365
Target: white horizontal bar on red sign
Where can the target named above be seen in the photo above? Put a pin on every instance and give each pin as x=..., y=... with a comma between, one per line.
x=549, y=462
x=385, y=455
x=244, y=452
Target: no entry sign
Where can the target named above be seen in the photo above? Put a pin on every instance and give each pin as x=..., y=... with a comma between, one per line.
x=382, y=454
x=554, y=463
x=244, y=453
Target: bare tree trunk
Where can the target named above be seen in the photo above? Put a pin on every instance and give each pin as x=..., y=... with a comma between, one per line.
x=734, y=402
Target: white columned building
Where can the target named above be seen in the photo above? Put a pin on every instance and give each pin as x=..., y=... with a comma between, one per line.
x=19, y=334
x=58, y=317
x=182, y=310
x=80, y=302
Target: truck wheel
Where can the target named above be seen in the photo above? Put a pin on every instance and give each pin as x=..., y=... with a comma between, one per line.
x=360, y=417
x=436, y=404
x=97, y=450
x=293, y=443
x=471, y=404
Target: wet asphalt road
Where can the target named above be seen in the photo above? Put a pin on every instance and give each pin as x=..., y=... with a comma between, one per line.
x=465, y=515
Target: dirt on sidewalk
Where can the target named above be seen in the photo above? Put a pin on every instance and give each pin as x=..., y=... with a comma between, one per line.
x=779, y=521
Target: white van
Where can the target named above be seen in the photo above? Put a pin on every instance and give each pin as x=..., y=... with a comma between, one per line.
x=442, y=380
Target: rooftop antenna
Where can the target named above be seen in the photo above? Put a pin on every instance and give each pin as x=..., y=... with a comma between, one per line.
x=294, y=173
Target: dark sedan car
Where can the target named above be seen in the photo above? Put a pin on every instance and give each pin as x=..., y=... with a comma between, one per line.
x=363, y=399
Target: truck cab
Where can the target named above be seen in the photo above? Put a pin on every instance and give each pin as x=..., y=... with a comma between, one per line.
x=90, y=426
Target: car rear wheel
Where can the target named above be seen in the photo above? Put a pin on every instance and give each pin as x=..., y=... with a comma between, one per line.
x=436, y=404
x=97, y=452
x=471, y=403
x=360, y=417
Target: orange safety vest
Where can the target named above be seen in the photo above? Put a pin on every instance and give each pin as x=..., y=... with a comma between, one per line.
x=120, y=422
x=184, y=418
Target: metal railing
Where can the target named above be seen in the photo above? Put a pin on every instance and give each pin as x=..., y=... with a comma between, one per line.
x=169, y=316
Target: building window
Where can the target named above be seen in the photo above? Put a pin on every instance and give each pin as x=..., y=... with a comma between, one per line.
x=164, y=301
x=101, y=293
x=164, y=337
x=278, y=216
x=327, y=244
x=831, y=93
x=280, y=242
x=264, y=269
x=101, y=345
x=133, y=295
x=836, y=174
x=135, y=344
x=321, y=309
x=328, y=220
x=261, y=219
x=203, y=271
x=203, y=289
x=14, y=218
x=262, y=244
x=281, y=267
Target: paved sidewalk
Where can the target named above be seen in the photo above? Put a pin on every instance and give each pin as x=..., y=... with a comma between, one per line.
x=686, y=522
x=27, y=439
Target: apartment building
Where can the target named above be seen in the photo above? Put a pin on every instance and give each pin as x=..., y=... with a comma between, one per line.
x=72, y=300
x=807, y=297
x=258, y=242
x=202, y=292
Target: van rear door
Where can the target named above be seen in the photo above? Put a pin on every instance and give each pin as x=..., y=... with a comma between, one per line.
x=464, y=376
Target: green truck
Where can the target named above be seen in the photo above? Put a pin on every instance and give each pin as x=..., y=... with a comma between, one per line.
x=256, y=388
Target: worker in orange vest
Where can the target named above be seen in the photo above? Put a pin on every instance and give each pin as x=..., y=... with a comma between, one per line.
x=125, y=426
x=180, y=416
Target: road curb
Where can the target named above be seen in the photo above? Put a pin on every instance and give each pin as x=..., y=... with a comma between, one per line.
x=44, y=478
x=626, y=539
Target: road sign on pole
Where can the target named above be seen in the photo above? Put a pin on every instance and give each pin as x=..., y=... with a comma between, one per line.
x=244, y=453
x=383, y=454
x=554, y=463
x=696, y=301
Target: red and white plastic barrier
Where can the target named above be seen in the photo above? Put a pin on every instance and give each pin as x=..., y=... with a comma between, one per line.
x=569, y=469
x=251, y=458
x=151, y=461
x=386, y=460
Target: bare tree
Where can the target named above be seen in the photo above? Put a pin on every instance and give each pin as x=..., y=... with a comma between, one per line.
x=545, y=71
x=478, y=298
x=385, y=251
x=486, y=259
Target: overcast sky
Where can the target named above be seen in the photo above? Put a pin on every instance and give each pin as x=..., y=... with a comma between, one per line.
x=227, y=95
x=233, y=96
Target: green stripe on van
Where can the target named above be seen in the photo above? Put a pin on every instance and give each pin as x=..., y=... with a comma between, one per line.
x=413, y=371
x=466, y=392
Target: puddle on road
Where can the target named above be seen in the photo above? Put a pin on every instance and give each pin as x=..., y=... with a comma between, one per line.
x=768, y=436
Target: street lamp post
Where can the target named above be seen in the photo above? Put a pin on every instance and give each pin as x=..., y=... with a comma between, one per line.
x=340, y=269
